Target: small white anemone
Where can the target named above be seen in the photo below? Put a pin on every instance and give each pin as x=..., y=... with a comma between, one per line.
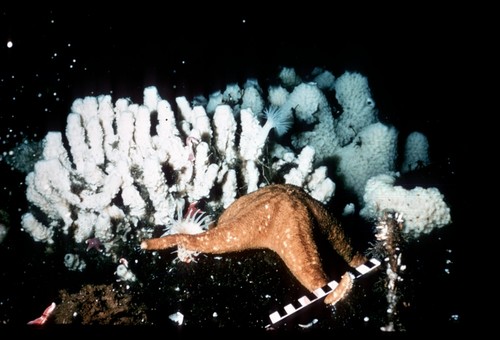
x=194, y=222
x=277, y=119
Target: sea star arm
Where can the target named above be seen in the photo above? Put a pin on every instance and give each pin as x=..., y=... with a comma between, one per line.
x=219, y=240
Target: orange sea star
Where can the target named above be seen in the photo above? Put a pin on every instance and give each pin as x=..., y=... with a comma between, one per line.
x=280, y=217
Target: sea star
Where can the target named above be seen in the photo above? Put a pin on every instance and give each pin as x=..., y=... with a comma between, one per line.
x=280, y=217
x=94, y=243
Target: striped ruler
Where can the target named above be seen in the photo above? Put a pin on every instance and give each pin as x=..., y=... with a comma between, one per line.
x=319, y=293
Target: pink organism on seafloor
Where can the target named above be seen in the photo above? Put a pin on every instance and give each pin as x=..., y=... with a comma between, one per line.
x=94, y=243
x=45, y=315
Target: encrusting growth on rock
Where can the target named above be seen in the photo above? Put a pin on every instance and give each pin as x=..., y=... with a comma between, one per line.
x=281, y=218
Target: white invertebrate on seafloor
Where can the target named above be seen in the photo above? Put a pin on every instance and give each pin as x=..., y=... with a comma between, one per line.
x=424, y=209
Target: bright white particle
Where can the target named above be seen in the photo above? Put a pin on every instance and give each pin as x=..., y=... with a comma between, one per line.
x=177, y=317
x=9, y=44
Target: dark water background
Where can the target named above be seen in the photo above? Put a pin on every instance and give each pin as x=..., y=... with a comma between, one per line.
x=60, y=55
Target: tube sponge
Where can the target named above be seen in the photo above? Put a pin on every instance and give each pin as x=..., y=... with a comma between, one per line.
x=372, y=153
x=416, y=152
x=359, y=111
